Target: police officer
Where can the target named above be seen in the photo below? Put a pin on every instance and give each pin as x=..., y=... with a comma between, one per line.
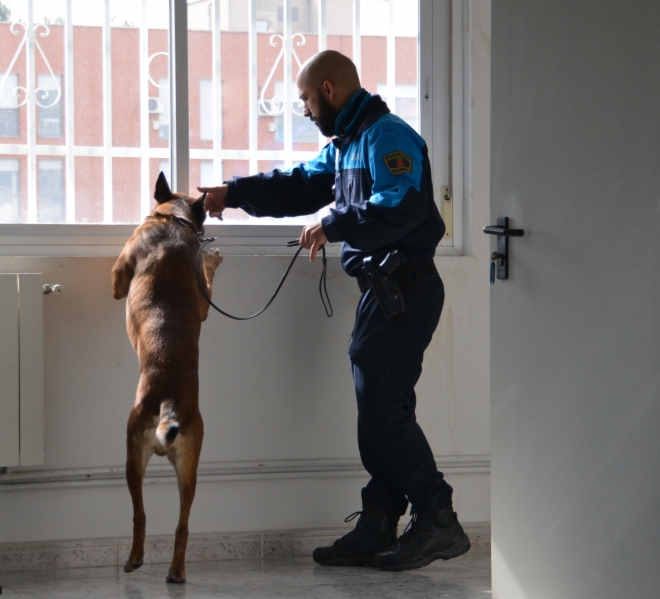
x=377, y=171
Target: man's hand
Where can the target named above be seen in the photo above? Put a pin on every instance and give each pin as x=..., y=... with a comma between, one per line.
x=312, y=238
x=216, y=200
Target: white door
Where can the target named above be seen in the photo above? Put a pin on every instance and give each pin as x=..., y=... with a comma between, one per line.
x=575, y=331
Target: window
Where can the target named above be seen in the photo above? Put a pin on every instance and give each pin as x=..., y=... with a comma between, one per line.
x=101, y=97
x=206, y=173
x=164, y=167
x=260, y=115
x=405, y=102
x=9, y=124
x=49, y=103
x=303, y=131
x=51, y=191
x=294, y=14
x=206, y=109
x=163, y=122
x=10, y=207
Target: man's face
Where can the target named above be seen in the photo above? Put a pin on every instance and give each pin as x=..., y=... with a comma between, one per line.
x=318, y=109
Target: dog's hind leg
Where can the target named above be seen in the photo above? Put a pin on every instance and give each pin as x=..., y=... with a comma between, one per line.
x=137, y=457
x=185, y=460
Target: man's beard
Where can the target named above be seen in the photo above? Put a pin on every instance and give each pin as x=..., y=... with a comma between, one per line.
x=326, y=118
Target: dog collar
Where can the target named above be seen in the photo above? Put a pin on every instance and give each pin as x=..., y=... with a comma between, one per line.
x=184, y=221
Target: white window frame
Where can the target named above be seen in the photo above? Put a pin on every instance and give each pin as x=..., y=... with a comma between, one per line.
x=443, y=51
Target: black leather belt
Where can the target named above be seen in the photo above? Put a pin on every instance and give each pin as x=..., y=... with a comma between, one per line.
x=409, y=275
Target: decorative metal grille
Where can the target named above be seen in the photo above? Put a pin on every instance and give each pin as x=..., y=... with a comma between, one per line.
x=264, y=101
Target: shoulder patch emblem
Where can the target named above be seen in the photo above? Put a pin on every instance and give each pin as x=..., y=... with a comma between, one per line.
x=398, y=163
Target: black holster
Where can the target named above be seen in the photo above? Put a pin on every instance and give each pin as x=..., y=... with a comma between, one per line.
x=394, y=278
x=380, y=278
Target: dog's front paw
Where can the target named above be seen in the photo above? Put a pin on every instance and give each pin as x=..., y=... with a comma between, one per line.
x=212, y=257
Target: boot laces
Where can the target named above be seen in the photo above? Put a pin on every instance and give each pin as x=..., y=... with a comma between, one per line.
x=349, y=535
x=357, y=524
x=416, y=524
x=414, y=516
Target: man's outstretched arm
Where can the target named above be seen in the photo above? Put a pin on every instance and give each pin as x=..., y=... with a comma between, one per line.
x=303, y=189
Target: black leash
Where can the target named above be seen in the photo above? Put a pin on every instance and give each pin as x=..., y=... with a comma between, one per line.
x=322, y=282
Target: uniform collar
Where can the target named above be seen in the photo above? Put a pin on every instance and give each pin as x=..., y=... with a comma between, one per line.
x=360, y=111
x=350, y=111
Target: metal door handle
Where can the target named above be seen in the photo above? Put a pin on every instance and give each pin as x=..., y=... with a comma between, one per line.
x=497, y=230
x=500, y=263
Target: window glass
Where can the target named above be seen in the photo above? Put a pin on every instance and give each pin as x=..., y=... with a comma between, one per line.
x=9, y=190
x=206, y=109
x=164, y=167
x=92, y=153
x=206, y=173
x=9, y=123
x=303, y=131
x=162, y=120
x=49, y=94
x=108, y=126
x=51, y=191
x=259, y=117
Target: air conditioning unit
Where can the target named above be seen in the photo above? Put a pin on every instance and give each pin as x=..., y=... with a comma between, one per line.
x=155, y=106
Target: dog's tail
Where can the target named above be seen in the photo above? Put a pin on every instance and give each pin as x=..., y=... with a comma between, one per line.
x=168, y=425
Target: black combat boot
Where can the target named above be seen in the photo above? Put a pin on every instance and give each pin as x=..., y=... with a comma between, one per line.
x=375, y=531
x=428, y=537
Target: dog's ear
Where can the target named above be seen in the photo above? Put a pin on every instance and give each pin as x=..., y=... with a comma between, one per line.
x=198, y=209
x=163, y=192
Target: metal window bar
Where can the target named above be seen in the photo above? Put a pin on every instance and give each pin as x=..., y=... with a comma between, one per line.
x=70, y=176
x=357, y=37
x=31, y=118
x=252, y=84
x=161, y=153
x=323, y=45
x=107, y=116
x=179, y=118
x=391, y=59
x=145, y=184
x=322, y=25
x=288, y=103
x=217, y=93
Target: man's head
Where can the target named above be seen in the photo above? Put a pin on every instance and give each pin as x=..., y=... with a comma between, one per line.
x=325, y=82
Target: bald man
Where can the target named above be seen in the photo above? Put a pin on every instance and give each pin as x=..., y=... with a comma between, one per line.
x=377, y=171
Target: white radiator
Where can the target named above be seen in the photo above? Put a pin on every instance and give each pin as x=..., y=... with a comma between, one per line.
x=21, y=370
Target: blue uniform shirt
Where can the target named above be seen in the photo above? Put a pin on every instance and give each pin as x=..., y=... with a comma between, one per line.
x=377, y=172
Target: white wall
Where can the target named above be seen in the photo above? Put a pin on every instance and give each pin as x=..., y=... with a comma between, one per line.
x=280, y=449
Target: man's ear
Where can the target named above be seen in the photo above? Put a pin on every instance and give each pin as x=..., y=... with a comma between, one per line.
x=163, y=192
x=328, y=90
x=198, y=209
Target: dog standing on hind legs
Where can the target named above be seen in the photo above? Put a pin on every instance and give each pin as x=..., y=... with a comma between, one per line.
x=157, y=272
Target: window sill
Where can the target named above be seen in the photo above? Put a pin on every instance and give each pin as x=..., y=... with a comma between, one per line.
x=89, y=241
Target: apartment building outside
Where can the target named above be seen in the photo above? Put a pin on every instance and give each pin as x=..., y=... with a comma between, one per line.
x=99, y=166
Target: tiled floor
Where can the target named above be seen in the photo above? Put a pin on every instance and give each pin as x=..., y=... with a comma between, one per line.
x=467, y=577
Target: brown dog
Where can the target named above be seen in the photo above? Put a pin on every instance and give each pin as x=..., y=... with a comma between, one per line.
x=164, y=311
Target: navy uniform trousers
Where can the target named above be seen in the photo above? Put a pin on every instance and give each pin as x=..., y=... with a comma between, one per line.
x=386, y=358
